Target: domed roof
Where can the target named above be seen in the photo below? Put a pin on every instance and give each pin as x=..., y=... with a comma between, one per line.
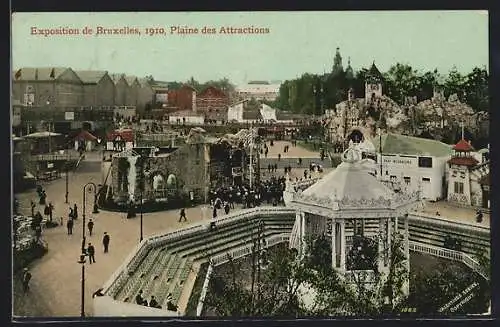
x=350, y=180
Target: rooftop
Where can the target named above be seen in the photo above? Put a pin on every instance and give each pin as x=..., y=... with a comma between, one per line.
x=38, y=74
x=410, y=145
x=90, y=76
x=349, y=180
x=463, y=145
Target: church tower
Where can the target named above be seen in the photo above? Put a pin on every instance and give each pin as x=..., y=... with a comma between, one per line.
x=349, y=72
x=373, y=84
x=337, y=67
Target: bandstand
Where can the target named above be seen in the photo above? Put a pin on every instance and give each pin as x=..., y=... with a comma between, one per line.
x=361, y=216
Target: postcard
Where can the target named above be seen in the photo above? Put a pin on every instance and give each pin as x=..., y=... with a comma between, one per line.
x=251, y=164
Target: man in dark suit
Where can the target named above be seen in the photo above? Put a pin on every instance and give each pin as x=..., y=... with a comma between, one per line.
x=90, y=226
x=69, y=225
x=105, y=242
x=91, y=253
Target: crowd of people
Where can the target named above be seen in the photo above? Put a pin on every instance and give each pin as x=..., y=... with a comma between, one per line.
x=269, y=191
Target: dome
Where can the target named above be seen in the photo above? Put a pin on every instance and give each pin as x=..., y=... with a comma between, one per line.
x=350, y=180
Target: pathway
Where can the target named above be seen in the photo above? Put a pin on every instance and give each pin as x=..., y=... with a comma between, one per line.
x=55, y=287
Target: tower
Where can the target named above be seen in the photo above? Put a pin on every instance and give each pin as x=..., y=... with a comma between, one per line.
x=460, y=164
x=373, y=84
x=337, y=67
x=349, y=72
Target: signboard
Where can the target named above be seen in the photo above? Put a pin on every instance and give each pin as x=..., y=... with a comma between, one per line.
x=398, y=161
x=69, y=115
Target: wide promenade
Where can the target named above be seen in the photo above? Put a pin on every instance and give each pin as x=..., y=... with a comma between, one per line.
x=56, y=282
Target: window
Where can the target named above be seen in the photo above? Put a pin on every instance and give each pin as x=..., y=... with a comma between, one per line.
x=425, y=179
x=425, y=162
x=459, y=187
x=407, y=180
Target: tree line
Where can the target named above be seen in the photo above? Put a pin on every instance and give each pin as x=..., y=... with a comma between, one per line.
x=223, y=84
x=313, y=93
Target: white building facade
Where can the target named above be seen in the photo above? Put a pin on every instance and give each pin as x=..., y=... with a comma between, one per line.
x=268, y=92
x=414, y=164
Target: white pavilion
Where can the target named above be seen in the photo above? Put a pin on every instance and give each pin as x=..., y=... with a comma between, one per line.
x=356, y=210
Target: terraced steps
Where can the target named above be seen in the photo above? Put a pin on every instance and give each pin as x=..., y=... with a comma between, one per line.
x=164, y=269
x=143, y=270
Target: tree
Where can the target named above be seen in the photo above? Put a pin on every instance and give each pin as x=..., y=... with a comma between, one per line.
x=476, y=89
x=401, y=81
x=454, y=84
x=426, y=84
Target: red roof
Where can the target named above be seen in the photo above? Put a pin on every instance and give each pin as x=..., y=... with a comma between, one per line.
x=463, y=161
x=85, y=135
x=126, y=135
x=463, y=145
x=213, y=92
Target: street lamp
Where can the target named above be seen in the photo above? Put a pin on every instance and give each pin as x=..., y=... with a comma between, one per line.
x=141, y=188
x=94, y=211
x=82, y=304
x=67, y=177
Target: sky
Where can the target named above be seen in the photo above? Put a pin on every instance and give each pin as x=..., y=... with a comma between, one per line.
x=297, y=42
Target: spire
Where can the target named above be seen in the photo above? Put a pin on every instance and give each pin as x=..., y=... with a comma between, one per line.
x=337, y=63
x=349, y=71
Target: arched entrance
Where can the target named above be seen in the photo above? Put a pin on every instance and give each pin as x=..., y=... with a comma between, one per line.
x=356, y=136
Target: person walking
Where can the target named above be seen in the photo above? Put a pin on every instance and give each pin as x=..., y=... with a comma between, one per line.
x=75, y=212
x=105, y=242
x=183, y=215
x=69, y=225
x=33, y=206
x=91, y=253
x=90, y=226
x=46, y=210
x=70, y=213
x=51, y=211
x=26, y=280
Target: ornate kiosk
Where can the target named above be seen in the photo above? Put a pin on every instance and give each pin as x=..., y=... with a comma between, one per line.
x=361, y=215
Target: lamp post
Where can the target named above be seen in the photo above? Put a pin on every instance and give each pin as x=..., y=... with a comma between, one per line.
x=82, y=304
x=67, y=177
x=83, y=214
x=141, y=217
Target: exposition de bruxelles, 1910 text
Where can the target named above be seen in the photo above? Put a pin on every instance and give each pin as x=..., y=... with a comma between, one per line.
x=150, y=31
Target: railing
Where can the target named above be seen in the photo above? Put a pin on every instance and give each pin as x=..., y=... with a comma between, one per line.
x=436, y=220
x=450, y=255
x=204, y=289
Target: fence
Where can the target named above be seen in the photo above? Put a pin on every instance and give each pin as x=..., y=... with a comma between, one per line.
x=450, y=255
